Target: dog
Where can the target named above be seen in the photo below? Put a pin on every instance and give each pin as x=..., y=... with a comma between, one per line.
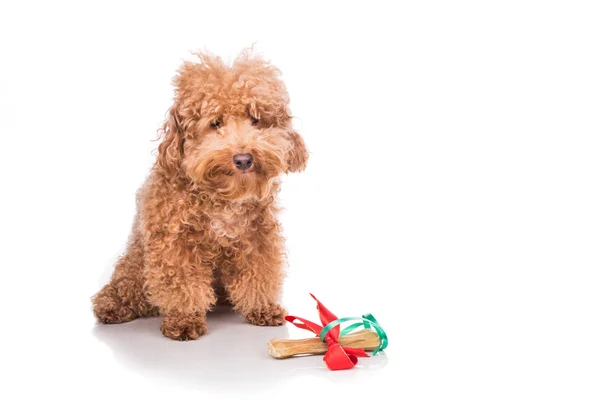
x=206, y=227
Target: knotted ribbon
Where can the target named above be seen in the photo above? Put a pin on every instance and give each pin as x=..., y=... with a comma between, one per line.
x=337, y=356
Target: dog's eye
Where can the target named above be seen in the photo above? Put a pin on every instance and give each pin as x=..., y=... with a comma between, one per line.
x=215, y=124
x=255, y=121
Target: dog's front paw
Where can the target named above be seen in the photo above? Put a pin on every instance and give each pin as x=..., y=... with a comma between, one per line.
x=183, y=326
x=109, y=308
x=271, y=316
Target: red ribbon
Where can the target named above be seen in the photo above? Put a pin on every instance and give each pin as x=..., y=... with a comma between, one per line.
x=337, y=356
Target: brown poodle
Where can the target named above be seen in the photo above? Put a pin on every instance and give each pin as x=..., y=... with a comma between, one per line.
x=206, y=227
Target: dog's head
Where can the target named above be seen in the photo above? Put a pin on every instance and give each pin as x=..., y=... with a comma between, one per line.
x=229, y=129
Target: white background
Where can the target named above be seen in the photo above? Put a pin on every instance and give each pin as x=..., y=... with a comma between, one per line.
x=452, y=191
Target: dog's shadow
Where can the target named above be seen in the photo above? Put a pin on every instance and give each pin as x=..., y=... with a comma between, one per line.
x=233, y=353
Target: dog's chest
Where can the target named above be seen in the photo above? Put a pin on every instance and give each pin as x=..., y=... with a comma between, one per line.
x=231, y=223
x=230, y=228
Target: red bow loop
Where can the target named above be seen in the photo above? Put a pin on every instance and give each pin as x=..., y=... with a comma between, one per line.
x=326, y=317
x=308, y=325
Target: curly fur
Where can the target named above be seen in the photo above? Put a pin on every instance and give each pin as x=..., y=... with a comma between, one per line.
x=206, y=231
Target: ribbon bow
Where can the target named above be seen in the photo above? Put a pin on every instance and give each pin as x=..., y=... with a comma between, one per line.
x=337, y=356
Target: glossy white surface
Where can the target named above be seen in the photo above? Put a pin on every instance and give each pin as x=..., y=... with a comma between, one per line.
x=232, y=356
x=452, y=191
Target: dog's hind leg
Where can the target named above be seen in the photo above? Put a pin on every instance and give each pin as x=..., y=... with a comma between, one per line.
x=123, y=298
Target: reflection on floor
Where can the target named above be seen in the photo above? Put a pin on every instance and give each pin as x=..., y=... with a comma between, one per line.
x=233, y=353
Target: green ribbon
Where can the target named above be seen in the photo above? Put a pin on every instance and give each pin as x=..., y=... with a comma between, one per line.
x=368, y=321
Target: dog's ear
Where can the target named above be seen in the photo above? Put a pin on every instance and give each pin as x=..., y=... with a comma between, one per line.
x=170, y=150
x=297, y=156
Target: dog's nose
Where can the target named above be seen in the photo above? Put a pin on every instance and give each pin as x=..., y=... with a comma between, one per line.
x=243, y=161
